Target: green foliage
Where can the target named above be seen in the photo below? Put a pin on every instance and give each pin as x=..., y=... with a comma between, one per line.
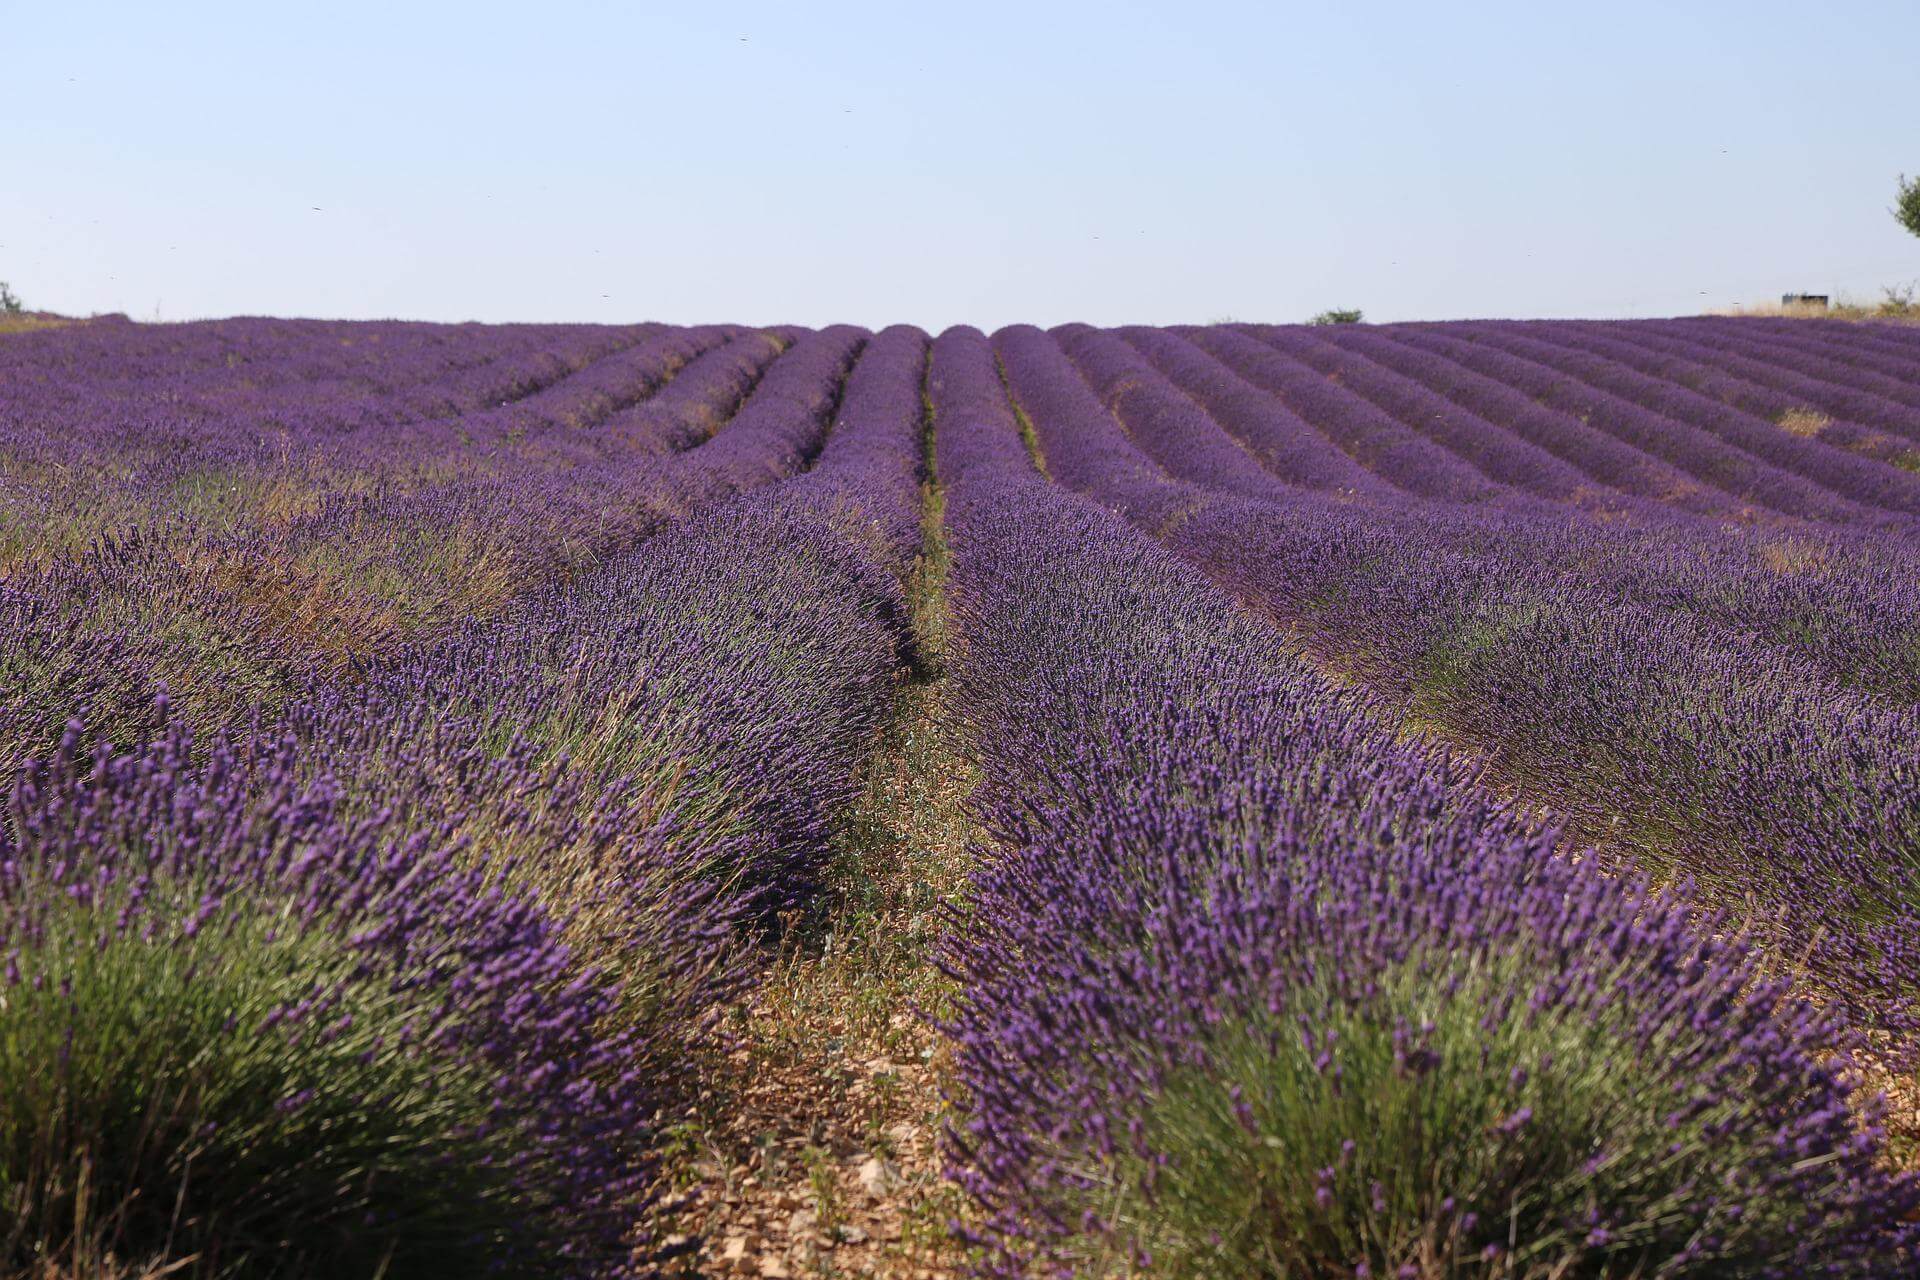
x=1443, y=1118
x=1339, y=315
x=1906, y=209
x=150, y=1112
x=10, y=303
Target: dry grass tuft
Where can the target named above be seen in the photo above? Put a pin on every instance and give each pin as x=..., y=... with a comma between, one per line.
x=1900, y=305
x=1805, y=423
x=108, y=1268
x=28, y=321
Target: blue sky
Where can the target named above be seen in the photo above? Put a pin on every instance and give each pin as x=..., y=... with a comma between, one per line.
x=980, y=163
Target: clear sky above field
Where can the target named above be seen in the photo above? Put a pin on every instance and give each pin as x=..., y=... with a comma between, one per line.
x=980, y=162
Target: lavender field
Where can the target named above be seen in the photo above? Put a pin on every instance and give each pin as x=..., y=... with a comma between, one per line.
x=1414, y=801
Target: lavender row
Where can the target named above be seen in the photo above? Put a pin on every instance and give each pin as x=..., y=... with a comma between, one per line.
x=1248, y=987
x=1377, y=440
x=117, y=388
x=866, y=481
x=1677, y=742
x=1689, y=447
x=71, y=483
x=1510, y=458
x=479, y=372
x=628, y=768
x=1844, y=602
x=1285, y=444
x=1047, y=392
x=250, y=617
x=1890, y=405
x=301, y=1042
x=1414, y=383
x=1859, y=482
x=1161, y=422
x=1880, y=359
x=1841, y=602
x=1646, y=725
x=624, y=777
x=1844, y=419
x=691, y=407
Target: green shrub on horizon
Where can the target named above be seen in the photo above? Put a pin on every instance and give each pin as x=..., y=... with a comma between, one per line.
x=1906, y=207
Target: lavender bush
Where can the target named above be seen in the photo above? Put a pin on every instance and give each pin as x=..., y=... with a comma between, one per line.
x=243, y=1029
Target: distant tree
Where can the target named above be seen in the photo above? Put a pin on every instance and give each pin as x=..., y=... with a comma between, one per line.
x=1338, y=317
x=1907, y=207
x=10, y=303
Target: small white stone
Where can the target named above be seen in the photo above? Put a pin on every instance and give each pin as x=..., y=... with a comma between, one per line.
x=879, y=1178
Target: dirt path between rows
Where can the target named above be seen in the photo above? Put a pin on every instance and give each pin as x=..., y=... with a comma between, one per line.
x=817, y=1153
